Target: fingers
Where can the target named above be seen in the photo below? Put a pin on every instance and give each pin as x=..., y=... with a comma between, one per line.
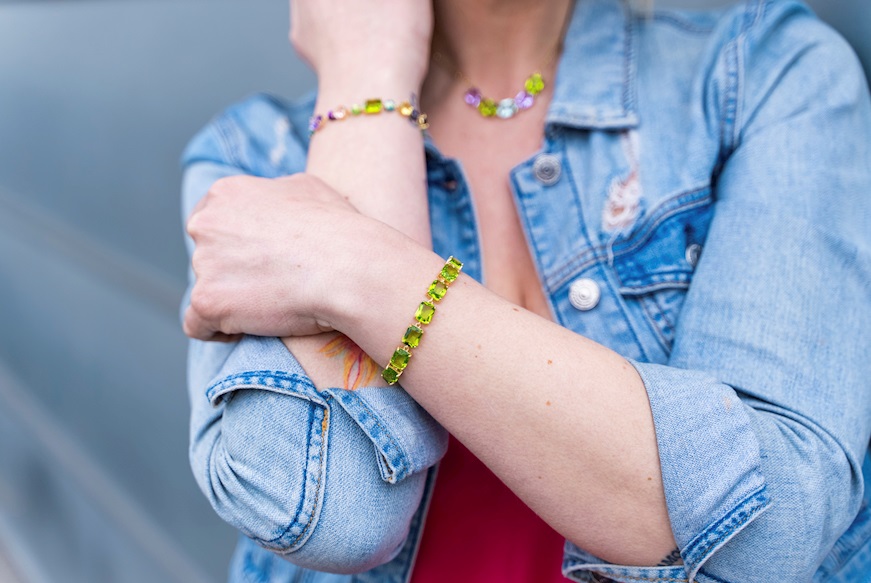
x=198, y=328
x=195, y=326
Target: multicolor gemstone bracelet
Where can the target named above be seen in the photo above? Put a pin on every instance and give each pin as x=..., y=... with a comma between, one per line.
x=369, y=107
x=422, y=317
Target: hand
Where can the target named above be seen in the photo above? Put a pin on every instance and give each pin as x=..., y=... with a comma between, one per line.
x=371, y=42
x=268, y=253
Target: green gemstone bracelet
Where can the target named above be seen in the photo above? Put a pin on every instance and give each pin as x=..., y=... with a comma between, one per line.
x=422, y=317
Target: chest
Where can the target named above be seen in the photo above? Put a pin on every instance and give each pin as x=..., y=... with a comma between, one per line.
x=604, y=239
x=486, y=151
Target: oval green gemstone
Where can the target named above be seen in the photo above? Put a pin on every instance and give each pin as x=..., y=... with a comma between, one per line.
x=390, y=375
x=399, y=360
x=356, y=109
x=534, y=84
x=424, y=312
x=437, y=290
x=487, y=107
x=412, y=336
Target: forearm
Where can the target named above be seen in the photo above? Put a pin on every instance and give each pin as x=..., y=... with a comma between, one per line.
x=486, y=367
x=377, y=162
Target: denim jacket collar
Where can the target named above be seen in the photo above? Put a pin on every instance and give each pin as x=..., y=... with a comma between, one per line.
x=595, y=83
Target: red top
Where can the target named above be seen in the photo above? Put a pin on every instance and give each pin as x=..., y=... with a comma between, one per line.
x=478, y=531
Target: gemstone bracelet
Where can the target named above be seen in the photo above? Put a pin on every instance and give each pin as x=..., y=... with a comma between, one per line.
x=422, y=317
x=369, y=107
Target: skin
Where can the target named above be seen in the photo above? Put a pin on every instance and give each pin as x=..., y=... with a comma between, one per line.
x=319, y=245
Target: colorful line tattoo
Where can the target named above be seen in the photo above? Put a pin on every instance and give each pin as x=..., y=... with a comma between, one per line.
x=358, y=369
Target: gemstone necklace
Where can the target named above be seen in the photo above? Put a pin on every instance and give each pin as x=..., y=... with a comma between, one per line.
x=502, y=108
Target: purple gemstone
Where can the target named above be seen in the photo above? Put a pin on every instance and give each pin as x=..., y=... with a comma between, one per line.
x=315, y=122
x=331, y=115
x=472, y=97
x=524, y=100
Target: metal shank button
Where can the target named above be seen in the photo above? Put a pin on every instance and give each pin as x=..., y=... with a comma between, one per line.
x=584, y=294
x=547, y=169
x=693, y=252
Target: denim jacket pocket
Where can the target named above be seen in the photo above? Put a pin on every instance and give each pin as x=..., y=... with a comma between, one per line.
x=654, y=263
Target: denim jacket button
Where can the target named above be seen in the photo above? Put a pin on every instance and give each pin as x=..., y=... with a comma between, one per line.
x=693, y=252
x=547, y=169
x=584, y=294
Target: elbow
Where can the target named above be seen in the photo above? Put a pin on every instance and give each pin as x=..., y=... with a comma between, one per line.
x=315, y=496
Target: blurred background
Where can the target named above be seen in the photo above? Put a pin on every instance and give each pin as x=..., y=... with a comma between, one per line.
x=97, y=100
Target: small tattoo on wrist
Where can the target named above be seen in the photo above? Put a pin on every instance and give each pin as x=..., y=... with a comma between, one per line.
x=358, y=369
x=673, y=558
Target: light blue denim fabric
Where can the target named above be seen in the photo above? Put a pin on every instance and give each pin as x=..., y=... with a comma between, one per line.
x=710, y=175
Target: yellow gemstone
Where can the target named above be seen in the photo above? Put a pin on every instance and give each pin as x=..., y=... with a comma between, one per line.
x=437, y=290
x=372, y=106
x=487, y=107
x=405, y=108
x=535, y=84
x=424, y=312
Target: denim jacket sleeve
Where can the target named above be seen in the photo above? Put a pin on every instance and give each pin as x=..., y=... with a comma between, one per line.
x=763, y=412
x=277, y=457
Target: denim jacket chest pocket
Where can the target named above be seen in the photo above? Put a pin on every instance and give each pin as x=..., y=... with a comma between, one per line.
x=653, y=264
x=617, y=245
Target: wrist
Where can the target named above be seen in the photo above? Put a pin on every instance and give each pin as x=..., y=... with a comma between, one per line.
x=348, y=81
x=377, y=299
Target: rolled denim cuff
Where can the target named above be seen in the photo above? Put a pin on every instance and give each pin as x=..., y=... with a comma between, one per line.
x=406, y=439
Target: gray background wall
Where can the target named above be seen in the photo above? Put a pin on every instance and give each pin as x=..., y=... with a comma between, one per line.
x=97, y=99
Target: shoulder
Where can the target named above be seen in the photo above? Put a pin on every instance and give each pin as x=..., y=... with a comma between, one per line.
x=261, y=135
x=747, y=20
x=780, y=28
x=770, y=56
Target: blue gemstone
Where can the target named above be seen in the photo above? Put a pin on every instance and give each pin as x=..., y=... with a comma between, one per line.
x=506, y=108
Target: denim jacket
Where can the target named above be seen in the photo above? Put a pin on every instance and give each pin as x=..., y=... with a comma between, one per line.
x=701, y=204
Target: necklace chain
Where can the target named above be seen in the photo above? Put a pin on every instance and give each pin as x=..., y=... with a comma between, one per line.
x=508, y=107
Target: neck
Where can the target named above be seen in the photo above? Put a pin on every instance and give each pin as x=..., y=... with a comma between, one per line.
x=496, y=44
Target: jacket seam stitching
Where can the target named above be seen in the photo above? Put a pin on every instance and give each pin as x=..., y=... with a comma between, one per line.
x=660, y=335
x=313, y=429
x=314, y=510
x=697, y=550
x=403, y=464
x=598, y=253
x=677, y=22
